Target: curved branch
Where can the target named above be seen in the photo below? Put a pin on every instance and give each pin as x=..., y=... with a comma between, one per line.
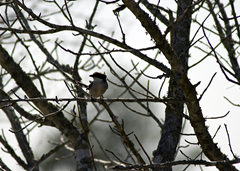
x=209, y=148
x=25, y=82
x=58, y=28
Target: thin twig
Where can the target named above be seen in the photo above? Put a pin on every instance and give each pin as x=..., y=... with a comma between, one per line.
x=124, y=136
x=117, y=157
x=207, y=86
x=69, y=89
x=237, y=105
x=50, y=114
x=229, y=142
x=222, y=67
x=185, y=155
x=131, y=100
x=218, y=117
x=143, y=149
x=119, y=23
x=176, y=163
x=157, y=77
x=216, y=131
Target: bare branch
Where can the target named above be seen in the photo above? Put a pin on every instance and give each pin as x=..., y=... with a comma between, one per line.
x=175, y=163
x=143, y=149
x=124, y=136
x=40, y=118
x=218, y=117
x=11, y=151
x=207, y=86
x=229, y=142
x=238, y=105
x=2, y=164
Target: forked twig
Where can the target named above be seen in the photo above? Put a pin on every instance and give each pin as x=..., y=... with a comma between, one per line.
x=43, y=117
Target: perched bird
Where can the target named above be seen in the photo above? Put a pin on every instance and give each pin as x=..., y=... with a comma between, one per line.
x=98, y=86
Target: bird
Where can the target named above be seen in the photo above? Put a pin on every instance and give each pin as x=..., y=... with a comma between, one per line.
x=98, y=86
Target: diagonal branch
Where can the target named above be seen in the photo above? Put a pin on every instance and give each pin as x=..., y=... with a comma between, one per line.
x=124, y=136
x=58, y=28
x=196, y=117
x=25, y=82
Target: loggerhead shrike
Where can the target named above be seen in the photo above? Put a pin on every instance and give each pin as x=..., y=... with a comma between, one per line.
x=98, y=86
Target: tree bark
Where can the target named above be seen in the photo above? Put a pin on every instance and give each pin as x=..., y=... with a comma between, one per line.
x=166, y=150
